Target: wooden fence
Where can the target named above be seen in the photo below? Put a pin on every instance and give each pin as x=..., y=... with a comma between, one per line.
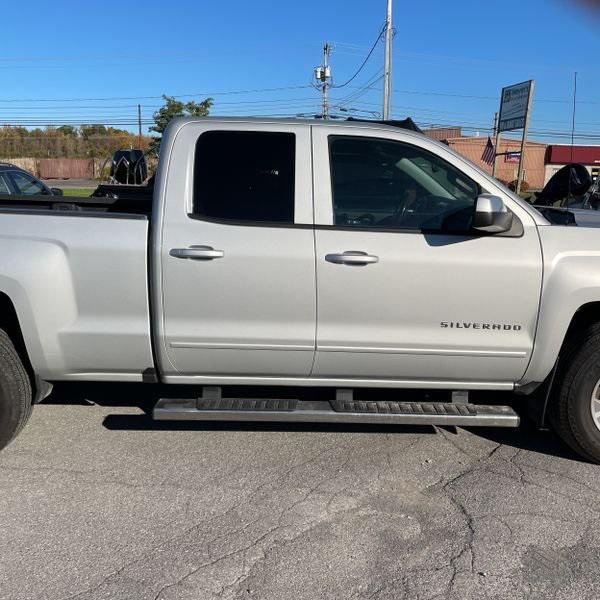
x=66, y=168
x=59, y=168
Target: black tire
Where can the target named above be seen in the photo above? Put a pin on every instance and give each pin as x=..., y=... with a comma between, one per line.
x=571, y=412
x=16, y=399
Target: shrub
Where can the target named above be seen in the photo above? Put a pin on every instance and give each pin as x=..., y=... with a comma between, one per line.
x=513, y=185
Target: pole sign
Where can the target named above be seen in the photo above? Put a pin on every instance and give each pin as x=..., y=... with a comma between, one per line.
x=513, y=106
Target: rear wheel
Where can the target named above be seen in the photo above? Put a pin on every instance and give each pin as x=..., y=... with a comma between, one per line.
x=576, y=412
x=16, y=400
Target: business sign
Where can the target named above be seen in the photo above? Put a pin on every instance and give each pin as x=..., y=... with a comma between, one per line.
x=512, y=157
x=514, y=106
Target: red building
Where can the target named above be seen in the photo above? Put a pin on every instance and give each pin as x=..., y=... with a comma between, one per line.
x=559, y=155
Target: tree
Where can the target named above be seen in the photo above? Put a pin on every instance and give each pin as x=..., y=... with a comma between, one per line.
x=175, y=108
x=89, y=141
x=68, y=130
x=92, y=130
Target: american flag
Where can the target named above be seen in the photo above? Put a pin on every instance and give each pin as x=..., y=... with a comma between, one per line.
x=489, y=153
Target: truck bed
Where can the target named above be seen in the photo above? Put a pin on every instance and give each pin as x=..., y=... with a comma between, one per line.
x=78, y=278
x=140, y=205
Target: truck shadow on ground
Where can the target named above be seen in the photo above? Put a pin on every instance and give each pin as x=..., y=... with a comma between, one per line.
x=527, y=437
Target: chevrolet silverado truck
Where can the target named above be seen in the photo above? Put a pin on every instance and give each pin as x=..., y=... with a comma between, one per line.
x=290, y=254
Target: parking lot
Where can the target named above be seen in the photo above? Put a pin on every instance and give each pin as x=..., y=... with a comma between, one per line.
x=97, y=501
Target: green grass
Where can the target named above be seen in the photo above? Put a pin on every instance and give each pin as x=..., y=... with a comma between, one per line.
x=77, y=191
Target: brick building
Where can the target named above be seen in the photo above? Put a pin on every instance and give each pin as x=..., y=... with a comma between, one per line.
x=472, y=147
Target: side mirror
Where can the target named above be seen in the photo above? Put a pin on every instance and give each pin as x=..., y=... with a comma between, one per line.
x=491, y=215
x=56, y=191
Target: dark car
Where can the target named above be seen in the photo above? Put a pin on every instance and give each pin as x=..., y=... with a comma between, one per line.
x=14, y=180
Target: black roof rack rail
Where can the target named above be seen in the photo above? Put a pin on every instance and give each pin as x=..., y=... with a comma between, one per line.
x=401, y=123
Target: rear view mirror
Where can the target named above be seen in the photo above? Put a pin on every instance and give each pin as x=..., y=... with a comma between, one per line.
x=491, y=215
x=56, y=191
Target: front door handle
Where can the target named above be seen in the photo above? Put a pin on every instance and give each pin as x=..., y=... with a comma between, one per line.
x=197, y=253
x=352, y=257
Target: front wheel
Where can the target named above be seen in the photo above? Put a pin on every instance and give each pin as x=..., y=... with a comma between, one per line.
x=576, y=412
x=16, y=400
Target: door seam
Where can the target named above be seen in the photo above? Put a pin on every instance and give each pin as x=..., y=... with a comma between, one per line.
x=314, y=232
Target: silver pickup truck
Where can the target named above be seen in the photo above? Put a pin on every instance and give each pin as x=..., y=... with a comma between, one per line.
x=291, y=254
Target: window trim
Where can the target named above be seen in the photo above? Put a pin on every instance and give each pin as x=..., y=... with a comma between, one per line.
x=245, y=222
x=517, y=229
x=321, y=143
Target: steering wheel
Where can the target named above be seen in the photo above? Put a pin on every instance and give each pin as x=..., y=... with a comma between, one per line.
x=366, y=219
x=423, y=204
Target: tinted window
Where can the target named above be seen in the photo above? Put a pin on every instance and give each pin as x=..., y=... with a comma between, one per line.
x=4, y=188
x=26, y=184
x=245, y=176
x=392, y=185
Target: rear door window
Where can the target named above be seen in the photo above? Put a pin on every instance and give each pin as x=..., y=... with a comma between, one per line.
x=26, y=184
x=245, y=176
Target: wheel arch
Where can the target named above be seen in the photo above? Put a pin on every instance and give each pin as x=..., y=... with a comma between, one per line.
x=9, y=322
x=584, y=316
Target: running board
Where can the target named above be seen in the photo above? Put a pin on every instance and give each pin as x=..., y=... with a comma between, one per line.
x=336, y=411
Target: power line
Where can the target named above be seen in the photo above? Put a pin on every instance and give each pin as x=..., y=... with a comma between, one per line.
x=284, y=88
x=206, y=94
x=361, y=91
x=147, y=107
x=494, y=98
x=364, y=61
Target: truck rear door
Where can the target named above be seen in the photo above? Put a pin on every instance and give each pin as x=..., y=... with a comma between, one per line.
x=237, y=258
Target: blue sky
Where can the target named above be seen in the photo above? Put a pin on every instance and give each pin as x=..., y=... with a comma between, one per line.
x=450, y=59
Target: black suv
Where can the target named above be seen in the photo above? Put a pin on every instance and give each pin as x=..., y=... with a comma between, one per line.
x=14, y=180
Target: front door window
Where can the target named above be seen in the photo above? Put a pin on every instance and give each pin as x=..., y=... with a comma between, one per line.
x=392, y=185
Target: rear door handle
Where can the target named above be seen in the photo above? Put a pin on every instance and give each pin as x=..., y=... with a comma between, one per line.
x=197, y=253
x=352, y=257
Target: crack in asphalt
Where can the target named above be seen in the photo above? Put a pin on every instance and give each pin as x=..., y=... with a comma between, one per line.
x=234, y=552
x=254, y=543
x=202, y=524
x=469, y=520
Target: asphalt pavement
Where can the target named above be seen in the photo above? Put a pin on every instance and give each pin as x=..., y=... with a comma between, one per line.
x=99, y=502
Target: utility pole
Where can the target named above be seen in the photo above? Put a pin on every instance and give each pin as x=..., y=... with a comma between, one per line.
x=496, y=144
x=387, y=66
x=574, y=116
x=323, y=76
x=139, y=125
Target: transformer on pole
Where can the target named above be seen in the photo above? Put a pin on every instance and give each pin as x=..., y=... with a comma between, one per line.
x=323, y=77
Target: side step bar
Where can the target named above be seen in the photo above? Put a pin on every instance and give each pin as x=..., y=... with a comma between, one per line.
x=335, y=411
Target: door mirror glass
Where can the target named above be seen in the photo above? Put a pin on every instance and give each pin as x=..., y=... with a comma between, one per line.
x=491, y=215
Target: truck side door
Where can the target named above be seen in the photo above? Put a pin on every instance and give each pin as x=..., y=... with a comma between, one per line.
x=237, y=253
x=405, y=289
